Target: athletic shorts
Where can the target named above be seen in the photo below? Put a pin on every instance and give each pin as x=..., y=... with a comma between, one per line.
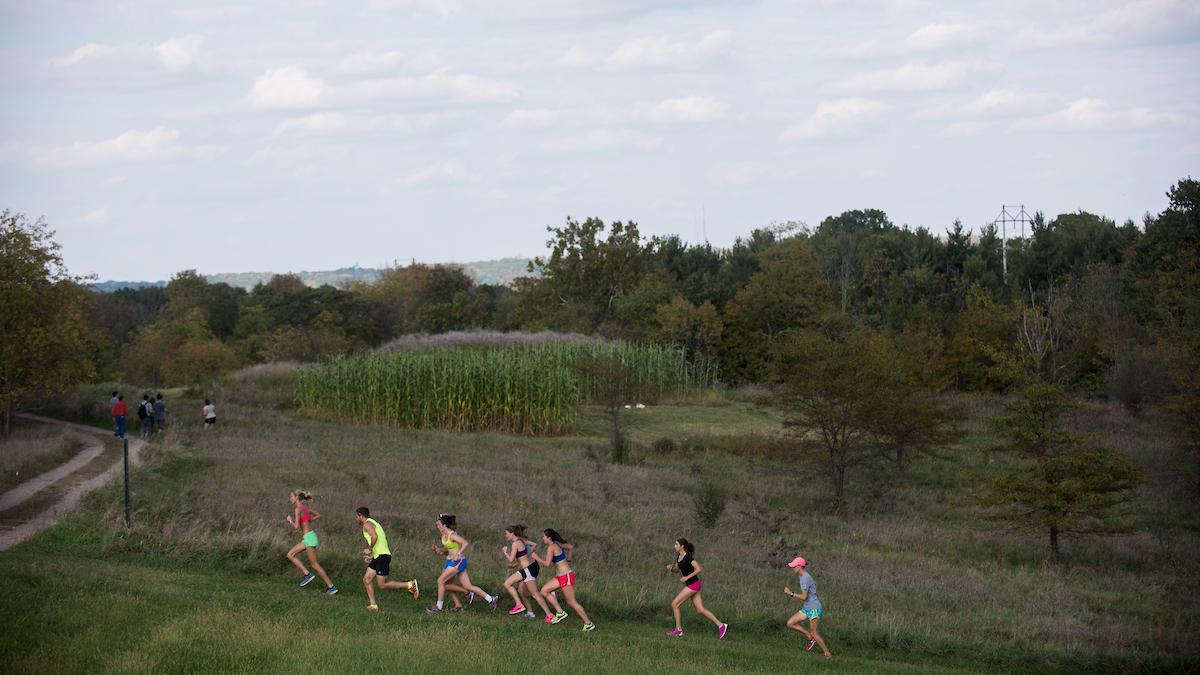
x=565, y=580
x=694, y=586
x=530, y=573
x=381, y=564
x=813, y=613
x=461, y=564
x=310, y=539
x=210, y=420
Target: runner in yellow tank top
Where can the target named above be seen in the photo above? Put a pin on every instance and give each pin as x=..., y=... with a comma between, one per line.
x=378, y=557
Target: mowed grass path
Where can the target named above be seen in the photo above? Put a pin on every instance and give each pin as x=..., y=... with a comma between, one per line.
x=67, y=609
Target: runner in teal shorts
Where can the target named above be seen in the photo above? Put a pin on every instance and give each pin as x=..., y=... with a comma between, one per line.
x=302, y=518
x=812, y=610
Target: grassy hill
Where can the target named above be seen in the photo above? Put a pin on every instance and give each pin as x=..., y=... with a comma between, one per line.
x=911, y=580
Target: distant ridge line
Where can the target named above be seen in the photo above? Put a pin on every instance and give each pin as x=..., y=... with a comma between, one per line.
x=501, y=271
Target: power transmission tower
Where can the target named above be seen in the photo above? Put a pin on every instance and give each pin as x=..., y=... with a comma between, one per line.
x=1006, y=218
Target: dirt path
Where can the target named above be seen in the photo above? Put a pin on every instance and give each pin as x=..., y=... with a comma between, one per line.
x=72, y=492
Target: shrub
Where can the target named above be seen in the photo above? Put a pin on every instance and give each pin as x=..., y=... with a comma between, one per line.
x=709, y=503
x=664, y=446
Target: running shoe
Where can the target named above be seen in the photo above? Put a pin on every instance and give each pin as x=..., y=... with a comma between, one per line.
x=307, y=579
x=516, y=610
x=493, y=602
x=459, y=609
x=722, y=630
x=414, y=589
x=810, y=645
x=558, y=616
x=675, y=632
x=433, y=609
x=332, y=590
x=372, y=608
x=589, y=627
x=530, y=615
x=470, y=597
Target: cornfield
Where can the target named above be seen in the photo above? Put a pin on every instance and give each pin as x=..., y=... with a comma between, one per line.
x=521, y=389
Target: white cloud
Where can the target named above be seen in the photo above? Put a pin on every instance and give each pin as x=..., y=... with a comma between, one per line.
x=291, y=87
x=1006, y=100
x=681, y=110
x=96, y=217
x=942, y=35
x=448, y=170
x=962, y=129
x=173, y=56
x=663, y=52
x=338, y=123
x=603, y=139
x=910, y=78
x=156, y=144
x=286, y=87
x=1092, y=114
x=839, y=117
x=537, y=118
x=574, y=57
x=1142, y=21
x=370, y=63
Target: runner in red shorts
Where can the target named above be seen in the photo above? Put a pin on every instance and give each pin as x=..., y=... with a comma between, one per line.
x=558, y=553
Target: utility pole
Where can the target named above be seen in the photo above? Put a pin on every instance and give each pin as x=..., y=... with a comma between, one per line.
x=1006, y=216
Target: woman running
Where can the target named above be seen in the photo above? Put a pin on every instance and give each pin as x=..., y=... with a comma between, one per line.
x=811, y=609
x=301, y=518
x=520, y=554
x=689, y=570
x=454, y=547
x=558, y=554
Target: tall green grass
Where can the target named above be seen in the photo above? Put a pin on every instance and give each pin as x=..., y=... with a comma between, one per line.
x=521, y=389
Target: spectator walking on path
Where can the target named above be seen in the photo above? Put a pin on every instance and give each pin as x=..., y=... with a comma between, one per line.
x=210, y=414
x=119, y=410
x=160, y=413
x=145, y=413
x=112, y=404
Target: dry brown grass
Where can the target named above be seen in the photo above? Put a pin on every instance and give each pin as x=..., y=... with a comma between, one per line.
x=32, y=449
x=916, y=570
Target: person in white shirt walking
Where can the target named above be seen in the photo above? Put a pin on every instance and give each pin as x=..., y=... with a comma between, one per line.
x=210, y=415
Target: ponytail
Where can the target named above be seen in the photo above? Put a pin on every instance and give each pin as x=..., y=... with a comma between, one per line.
x=449, y=520
x=554, y=536
x=303, y=495
x=517, y=531
x=688, y=547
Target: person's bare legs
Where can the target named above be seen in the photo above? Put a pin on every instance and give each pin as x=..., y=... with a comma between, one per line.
x=444, y=578
x=569, y=591
x=548, y=594
x=704, y=612
x=368, y=576
x=293, y=555
x=681, y=598
x=511, y=585
x=812, y=626
x=532, y=590
x=465, y=581
x=312, y=560
x=794, y=623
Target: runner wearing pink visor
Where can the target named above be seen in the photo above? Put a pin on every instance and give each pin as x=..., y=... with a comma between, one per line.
x=810, y=610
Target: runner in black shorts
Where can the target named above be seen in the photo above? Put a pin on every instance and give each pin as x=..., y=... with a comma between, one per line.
x=520, y=555
x=378, y=557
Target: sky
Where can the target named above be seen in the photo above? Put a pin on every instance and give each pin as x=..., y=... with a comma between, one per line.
x=230, y=136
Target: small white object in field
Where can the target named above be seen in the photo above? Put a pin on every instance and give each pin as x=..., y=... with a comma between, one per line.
x=627, y=406
x=640, y=406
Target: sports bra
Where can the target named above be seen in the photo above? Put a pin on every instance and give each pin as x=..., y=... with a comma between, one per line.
x=562, y=555
x=449, y=544
x=305, y=515
x=524, y=550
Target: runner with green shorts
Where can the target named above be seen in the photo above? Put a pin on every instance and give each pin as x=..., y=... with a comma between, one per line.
x=378, y=557
x=302, y=518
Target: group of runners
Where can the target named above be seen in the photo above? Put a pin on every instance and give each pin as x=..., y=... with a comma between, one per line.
x=522, y=585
